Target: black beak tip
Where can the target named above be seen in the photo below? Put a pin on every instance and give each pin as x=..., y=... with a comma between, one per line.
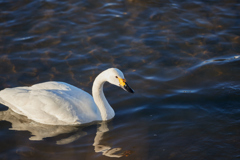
x=131, y=91
x=127, y=88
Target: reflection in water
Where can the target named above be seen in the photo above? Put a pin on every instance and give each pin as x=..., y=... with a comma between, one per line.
x=41, y=131
x=105, y=149
x=38, y=131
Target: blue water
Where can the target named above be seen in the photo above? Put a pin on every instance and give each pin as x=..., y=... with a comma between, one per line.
x=181, y=58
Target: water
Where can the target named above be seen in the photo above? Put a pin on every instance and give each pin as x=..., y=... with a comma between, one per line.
x=181, y=58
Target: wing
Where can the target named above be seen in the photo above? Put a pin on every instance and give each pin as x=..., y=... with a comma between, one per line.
x=52, y=103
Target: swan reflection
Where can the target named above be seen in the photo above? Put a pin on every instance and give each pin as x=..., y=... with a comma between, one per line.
x=105, y=149
x=41, y=131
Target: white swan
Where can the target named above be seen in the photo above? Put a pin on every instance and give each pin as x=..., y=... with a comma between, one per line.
x=59, y=103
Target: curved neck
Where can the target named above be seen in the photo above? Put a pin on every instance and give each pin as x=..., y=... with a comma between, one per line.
x=99, y=97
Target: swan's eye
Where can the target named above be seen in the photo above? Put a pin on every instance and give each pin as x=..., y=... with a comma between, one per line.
x=116, y=76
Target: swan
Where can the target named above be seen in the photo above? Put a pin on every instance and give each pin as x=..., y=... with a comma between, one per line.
x=59, y=103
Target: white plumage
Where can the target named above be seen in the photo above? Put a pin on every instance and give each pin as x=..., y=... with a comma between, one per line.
x=59, y=103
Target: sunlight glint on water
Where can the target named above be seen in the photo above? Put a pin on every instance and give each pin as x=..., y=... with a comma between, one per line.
x=181, y=59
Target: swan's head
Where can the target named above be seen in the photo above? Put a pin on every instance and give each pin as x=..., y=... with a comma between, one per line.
x=116, y=77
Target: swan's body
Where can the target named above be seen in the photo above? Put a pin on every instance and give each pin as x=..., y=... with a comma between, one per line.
x=59, y=103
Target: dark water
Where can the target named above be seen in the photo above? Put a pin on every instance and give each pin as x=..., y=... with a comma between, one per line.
x=182, y=58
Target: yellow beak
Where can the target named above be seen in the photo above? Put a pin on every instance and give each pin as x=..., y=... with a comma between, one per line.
x=122, y=81
x=124, y=85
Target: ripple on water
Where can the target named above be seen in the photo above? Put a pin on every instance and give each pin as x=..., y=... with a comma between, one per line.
x=180, y=57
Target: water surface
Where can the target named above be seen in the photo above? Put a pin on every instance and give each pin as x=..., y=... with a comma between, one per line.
x=181, y=58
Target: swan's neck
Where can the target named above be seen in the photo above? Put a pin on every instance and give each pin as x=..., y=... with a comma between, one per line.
x=97, y=91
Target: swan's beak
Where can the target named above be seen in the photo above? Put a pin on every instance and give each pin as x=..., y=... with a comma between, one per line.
x=125, y=86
